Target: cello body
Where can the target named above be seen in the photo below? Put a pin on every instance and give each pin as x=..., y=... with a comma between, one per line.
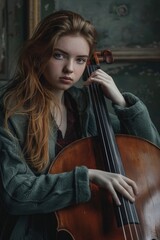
x=96, y=220
x=138, y=159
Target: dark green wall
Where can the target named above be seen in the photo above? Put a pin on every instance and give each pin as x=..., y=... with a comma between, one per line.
x=13, y=31
x=120, y=25
x=125, y=24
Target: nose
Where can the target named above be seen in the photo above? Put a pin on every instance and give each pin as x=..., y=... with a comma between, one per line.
x=69, y=66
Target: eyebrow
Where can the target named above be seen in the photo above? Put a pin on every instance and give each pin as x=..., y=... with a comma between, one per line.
x=60, y=50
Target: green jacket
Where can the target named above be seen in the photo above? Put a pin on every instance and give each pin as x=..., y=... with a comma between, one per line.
x=28, y=199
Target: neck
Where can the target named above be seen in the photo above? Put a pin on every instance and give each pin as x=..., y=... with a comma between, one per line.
x=60, y=97
x=60, y=114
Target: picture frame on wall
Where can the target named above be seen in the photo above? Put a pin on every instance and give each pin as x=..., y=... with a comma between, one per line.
x=33, y=15
x=124, y=37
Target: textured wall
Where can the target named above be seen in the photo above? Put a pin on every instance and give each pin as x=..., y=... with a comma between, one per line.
x=12, y=34
x=120, y=25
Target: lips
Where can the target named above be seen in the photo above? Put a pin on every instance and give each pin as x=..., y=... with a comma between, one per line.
x=65, y=79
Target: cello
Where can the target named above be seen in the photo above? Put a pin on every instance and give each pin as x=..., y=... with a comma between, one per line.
x=138, y=159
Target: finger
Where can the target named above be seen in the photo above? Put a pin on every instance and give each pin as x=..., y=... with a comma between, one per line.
x=98, y=79
x=132, y=184
x=93, y=79
x=112, y=191
x=102, y=74
x=128, y=188
x=124, y=192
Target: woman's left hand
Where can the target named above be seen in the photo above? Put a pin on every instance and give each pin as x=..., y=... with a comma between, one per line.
x=108, y=86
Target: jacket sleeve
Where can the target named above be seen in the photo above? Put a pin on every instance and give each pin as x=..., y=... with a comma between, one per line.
x=23, y=192
x=135, y=120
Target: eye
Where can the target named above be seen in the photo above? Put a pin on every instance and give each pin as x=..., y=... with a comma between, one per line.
x=81, y=60
x=58, y=55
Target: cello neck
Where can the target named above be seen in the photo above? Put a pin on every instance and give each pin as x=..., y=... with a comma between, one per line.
x=112, y=161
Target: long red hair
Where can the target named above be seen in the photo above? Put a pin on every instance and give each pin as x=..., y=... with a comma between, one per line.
x=28, y=94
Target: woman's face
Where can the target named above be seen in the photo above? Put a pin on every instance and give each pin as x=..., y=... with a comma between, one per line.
x=68, y=62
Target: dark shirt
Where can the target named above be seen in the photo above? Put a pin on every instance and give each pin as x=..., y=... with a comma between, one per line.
x=72, y=134
x=73, y=126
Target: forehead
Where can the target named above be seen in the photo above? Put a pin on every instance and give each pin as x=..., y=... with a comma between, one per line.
x=73, y=44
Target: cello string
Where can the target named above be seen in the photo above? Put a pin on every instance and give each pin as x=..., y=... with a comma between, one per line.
x=101, y=108
x=95, y=94
x=133, y=209
x=100, y=114
x=103, y=122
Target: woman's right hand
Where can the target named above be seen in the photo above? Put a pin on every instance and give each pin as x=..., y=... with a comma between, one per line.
x=114, y=183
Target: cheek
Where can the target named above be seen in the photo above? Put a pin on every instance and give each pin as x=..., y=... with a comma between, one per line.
x=80, y=71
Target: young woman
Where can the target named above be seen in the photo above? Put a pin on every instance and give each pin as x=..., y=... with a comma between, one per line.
x=41, y=112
